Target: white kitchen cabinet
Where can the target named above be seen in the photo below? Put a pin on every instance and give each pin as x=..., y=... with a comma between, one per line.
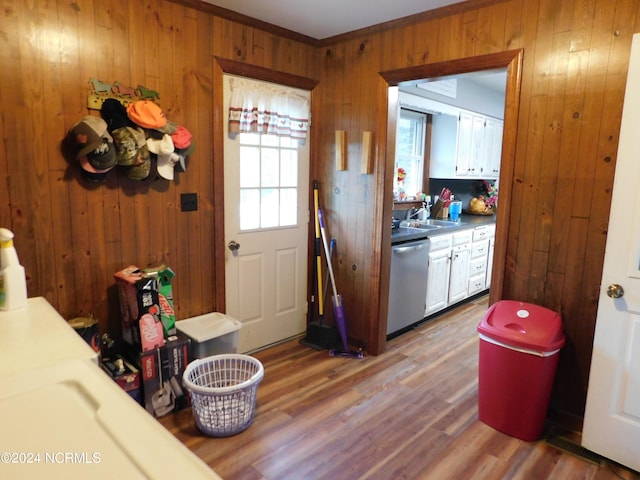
x=492, y=148
x=459, y=275
x=465, y=146
x=460, y=257
x=438, y=274
x=444, y=137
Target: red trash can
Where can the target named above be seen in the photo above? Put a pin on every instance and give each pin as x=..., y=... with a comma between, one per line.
x=519, y=350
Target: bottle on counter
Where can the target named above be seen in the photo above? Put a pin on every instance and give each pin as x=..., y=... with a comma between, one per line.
x=13, y=283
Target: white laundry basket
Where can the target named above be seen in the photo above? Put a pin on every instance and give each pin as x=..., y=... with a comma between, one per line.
x=223, y=392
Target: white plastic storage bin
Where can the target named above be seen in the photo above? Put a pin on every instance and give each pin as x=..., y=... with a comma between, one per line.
x=211, y=334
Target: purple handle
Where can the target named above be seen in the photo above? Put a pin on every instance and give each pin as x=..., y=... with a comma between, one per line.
x=320, y=218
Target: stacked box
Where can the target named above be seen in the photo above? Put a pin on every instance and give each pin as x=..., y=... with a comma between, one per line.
x=125, y=375
x=165, y=297
x=161, y=374
x=140, y=308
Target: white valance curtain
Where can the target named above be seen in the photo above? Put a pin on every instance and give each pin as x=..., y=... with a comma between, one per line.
x=261, y=107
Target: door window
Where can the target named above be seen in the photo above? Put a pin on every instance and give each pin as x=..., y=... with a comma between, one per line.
x=268, y=181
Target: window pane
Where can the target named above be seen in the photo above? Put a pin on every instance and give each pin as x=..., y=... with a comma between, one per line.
x=269, y=207
x=270, y=141
x=288, y=168
x=270, y=174
x=249, y=167
x=410, y=152
x=250, y=139
x=288, y=206
x=249, y=211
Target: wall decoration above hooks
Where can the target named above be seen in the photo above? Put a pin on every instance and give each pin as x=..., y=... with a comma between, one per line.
x=124, y=94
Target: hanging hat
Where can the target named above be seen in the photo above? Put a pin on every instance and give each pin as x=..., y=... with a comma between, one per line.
x=164, y=146
x=148, y=114
x=91, y=173
x=126, y=146
x=181, y=138
x=166, y=164
x=141, y=167
x=103, y=157
x=87, y=134
x=115, y=114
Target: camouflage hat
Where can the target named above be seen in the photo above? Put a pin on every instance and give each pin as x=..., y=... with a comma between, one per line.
x=126, y=146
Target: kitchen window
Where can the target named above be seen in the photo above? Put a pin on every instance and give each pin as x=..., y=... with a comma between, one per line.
x=410, y=152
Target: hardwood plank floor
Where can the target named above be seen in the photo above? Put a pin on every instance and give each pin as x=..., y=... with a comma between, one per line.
x=410, y=413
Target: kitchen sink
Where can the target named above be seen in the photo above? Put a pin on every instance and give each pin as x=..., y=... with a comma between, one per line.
x=432, y=222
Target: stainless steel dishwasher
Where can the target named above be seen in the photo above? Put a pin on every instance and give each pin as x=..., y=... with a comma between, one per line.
x=408, y=284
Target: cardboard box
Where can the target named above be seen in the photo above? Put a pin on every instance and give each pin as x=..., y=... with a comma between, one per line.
x=161, y=373
x=125, y=375
x=139, y=308
x=165, y=297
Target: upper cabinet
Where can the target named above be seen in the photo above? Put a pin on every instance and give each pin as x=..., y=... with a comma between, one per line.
x=466, y=146
x=463, y=144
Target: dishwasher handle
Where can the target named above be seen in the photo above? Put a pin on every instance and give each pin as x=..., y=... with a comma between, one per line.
x=410, y=248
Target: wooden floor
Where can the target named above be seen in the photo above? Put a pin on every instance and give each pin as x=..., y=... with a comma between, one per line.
x=410, y=413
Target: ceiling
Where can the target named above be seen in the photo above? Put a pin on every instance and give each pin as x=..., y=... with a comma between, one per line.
x=327, y=18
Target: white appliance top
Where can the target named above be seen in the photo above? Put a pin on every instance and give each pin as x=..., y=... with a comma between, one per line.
x=37, y=336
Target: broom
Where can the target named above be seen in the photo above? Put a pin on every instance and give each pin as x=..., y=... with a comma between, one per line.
x=338, y=308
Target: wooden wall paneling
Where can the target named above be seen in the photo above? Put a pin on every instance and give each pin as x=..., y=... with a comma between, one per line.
x=183, y=228
x=552, y=139
x=568, y=169
x=484, y=43
x=158, y=37
x=104, y=214
x=469, y=29
x=513, y=25
x=200, y=80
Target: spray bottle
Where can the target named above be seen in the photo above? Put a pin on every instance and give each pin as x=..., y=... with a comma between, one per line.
x=13, y=284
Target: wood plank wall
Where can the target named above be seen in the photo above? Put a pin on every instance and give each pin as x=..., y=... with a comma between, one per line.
x=72, y=235
x=573, y=79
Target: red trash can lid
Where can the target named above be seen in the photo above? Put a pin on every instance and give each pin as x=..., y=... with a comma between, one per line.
x=523, y=325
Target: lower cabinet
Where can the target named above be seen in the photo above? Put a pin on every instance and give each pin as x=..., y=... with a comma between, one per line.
x=438, y=276
x=460, y=258
x=459, y=267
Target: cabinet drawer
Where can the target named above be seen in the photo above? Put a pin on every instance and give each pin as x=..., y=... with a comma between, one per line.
x=481, y=233
x=477, y=266
x=439, y=242
x=463, y=237
x=480, y=249
x=476, y=284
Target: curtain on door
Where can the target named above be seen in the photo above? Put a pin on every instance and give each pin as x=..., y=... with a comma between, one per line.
x=259, y=107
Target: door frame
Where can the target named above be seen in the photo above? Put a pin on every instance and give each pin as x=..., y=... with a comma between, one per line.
x=222, y=66
x=512, y=60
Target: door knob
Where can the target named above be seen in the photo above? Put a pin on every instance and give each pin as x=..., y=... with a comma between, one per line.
x=615, y=291
x=233, y=245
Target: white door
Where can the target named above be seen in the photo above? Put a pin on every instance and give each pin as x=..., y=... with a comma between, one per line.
x=612, y=416
x=266, y=184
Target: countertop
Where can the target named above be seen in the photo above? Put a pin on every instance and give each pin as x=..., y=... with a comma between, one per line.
x=406, y=234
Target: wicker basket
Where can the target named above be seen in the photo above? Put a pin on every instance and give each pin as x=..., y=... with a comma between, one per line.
x=223, y=392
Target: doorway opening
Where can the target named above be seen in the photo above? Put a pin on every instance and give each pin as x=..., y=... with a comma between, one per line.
x=509, y=62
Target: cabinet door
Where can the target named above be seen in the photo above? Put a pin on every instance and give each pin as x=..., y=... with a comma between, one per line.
x=492, y=150
x=438, y=281
x=459, y=278
x=477, y=146
x=465, y=144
